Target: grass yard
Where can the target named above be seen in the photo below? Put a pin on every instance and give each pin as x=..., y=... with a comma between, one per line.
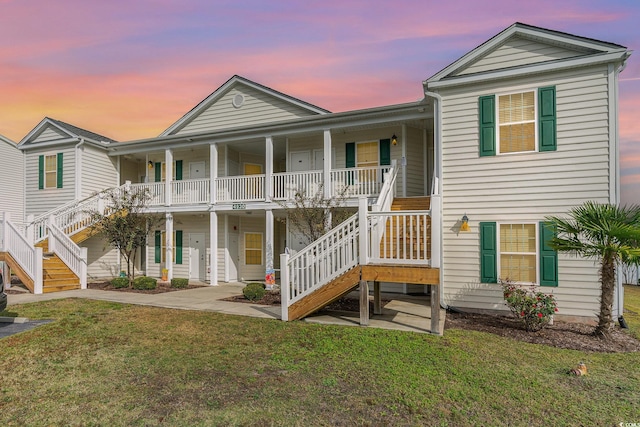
x=104, y=363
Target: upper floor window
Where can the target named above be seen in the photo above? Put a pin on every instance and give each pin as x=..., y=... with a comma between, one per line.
x=517, y=122
x=50, y=171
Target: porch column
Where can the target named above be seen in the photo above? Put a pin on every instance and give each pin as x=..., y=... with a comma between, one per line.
x=327, y=165
x=404, y=160
x=213, y=246
x=168, y=242
x=270, y=272
x=268, y=168
x=168, y=170
x=213, y=175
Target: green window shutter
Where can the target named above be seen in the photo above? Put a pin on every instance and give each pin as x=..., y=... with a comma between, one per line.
x=178, y=246
x=40, y=172
x=178, y=170
x=488, y=253
x=60, y=170
x=350, y=155
x=547, y=118
x=548, y=257
x=385, y=152
x=487, y=123
x=158, y=257
x=158, y=171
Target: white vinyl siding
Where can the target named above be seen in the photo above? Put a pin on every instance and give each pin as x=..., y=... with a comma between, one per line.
x=524, y=187
x=102, y=259
x=41, y=201
x=415, y=169
x=99, y=171
x=49, y=134
x=12, y=181
x=258, y=108
x=519, y=51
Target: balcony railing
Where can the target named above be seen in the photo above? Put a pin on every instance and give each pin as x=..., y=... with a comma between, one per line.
x=349, y=182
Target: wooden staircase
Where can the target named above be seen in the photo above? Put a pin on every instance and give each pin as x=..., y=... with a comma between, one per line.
x=56, y=276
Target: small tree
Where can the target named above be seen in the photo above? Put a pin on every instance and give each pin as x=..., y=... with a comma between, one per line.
x=313, y=216
x=125, y=224
x=607, y=233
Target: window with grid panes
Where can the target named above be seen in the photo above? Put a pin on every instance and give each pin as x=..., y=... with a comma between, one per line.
x=518, y=252
x=253, y=248
x=517, y=122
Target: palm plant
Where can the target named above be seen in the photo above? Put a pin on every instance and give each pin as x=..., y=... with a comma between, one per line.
x=607, y=233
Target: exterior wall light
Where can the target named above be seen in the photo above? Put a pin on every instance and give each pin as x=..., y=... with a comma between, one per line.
x=394, y=139
x=465, y=223
x=150, y=164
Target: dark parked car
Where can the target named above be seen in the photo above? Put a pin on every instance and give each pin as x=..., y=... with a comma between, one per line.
x=3, y=296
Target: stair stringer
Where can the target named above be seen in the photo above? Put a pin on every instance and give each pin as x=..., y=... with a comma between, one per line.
x=326, y=294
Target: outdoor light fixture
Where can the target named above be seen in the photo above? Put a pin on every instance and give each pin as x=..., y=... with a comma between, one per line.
x=394, y=139
x=150, y=164
x=465, y=223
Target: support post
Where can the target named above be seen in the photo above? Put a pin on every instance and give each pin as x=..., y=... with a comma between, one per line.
x=213, y=175
x=377, y=303
x=364, y=303
x=284, y=286
x=435, y=310
x=270, y=273
x=326, y=172
x=30, y=230
x=436, y=227
x=168, y=170
x=213, y=261
x=268, y=169
x=83, y=268
x=364, y=231
x=168, y=239
x=5, y=231
x=37, y=272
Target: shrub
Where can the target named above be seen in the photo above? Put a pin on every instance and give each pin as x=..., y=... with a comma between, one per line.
x=254, y=291
x=144, y=283
x=179, y=283
x=120, y=282
x=534, y=308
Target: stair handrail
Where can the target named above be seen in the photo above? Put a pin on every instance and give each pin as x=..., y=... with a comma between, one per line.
x=387, y=192
x=28, y=257
x=66, y=216
x=319, y=263
x=68, y=251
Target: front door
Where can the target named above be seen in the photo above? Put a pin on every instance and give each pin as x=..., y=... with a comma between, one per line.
x=197, y=259
x=196, y=170
x=299, y=161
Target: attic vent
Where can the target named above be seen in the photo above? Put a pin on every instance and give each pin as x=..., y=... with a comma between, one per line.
x=238, y=100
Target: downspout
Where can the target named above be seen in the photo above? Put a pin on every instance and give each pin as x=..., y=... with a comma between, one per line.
x=437, y=168
x=78, y=174
x=616, y=196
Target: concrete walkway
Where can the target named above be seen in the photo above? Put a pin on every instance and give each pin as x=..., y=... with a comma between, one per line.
x=404, y=312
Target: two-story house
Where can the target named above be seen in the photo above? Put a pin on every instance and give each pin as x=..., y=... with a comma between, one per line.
x=522, y=127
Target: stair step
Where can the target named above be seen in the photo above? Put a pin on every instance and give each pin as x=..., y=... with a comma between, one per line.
x=411, y=203
x=58, y=288
x=48, y=283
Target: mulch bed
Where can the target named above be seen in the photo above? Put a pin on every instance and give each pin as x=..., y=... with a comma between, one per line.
x=575, y=336
x=161, y=288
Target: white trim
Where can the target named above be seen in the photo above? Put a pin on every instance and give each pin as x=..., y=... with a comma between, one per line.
x=404, y=161
x=614, y=154
x=213, y=245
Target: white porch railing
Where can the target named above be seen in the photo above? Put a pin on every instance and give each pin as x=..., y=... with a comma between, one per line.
x=287, y=184
x=399, y=237
x=155, y=190
x=190, y=191
x=22, y=251
x=356, y=182
x=71, y=254
x=319, y=263
x=242, y=188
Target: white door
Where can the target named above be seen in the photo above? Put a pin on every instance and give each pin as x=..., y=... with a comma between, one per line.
x=299, y=161
x=318, y=159
x=196, y=170
x=233, y=256
x=197, y=258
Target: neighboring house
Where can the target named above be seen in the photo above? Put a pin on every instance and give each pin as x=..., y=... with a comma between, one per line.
x=11, y=180
x=522, y=127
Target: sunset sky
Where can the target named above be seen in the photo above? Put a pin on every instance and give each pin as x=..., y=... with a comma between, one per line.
x=129, y=69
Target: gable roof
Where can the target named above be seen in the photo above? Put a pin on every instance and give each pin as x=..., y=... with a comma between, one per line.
x=233, y=82
x=62, y=133
x=580, y=51
x=8, y=141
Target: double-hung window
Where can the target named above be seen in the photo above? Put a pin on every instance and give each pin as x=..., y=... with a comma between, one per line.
x=161, y=247
x=50, y=170
x=253, y=248
x=519, y=252
x=517, y=122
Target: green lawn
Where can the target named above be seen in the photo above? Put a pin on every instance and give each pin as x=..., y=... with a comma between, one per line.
x=103, y=363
